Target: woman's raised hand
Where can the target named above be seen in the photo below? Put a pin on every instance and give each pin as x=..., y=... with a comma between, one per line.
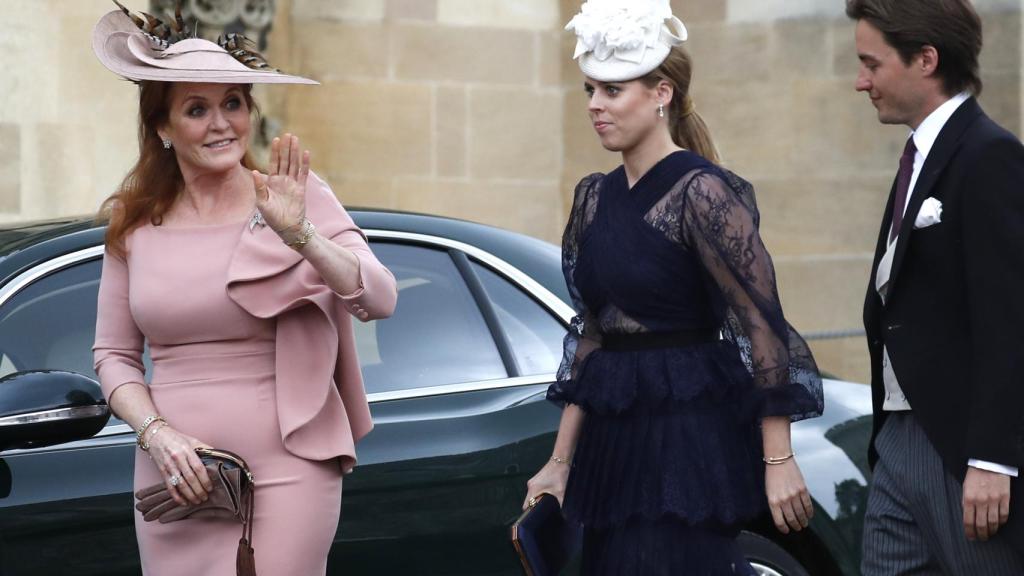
x=281, y=194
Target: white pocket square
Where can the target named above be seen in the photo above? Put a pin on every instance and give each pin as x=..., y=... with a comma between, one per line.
x=930, y=214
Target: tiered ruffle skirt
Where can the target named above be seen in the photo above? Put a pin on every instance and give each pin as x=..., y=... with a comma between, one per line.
x=668, y=465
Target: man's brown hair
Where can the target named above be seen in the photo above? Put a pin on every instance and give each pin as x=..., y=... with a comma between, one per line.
x=952, y=27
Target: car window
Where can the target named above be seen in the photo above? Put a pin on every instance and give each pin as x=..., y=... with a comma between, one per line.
x=51, y=324
x=534, y=334
x=437, y=334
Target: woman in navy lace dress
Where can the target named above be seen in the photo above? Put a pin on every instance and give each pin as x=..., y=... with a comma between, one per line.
x=681, y=375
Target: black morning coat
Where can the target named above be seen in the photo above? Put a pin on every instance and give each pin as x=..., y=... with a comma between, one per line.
x=954, y=321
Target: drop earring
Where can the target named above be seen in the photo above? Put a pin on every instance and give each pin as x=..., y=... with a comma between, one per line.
x=661, y=110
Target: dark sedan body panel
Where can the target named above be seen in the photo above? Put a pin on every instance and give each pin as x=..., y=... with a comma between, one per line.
x=436, y=490
x=69, y=504
x=29, y=249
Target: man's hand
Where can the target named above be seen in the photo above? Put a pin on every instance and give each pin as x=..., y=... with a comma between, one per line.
x=986, y=503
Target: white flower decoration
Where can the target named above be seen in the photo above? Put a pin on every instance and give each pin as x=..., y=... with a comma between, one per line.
x=624, y=29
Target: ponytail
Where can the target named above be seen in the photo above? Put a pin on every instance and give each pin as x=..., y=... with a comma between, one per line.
x=687, y=128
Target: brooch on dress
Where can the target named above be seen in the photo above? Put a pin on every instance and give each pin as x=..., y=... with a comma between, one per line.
x=256, y=220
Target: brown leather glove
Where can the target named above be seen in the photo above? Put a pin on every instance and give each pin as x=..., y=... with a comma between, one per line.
x=232, y=497
x=228, y=499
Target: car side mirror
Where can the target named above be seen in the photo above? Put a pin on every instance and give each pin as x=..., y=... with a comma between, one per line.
x=46, y=407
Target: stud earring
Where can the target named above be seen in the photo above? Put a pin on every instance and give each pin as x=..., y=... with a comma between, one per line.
x=661, y=110
x=167, y=144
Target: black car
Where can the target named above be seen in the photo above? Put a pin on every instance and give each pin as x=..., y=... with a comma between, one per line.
x=456, y=382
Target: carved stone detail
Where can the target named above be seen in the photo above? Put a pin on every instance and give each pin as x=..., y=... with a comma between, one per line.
x=212, y=18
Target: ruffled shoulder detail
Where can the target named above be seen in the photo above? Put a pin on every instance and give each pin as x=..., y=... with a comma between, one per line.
x=321, y=402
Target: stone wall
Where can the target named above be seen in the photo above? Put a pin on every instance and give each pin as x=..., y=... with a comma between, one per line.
x=67, y=131
x=443, y=106
x=473, y=109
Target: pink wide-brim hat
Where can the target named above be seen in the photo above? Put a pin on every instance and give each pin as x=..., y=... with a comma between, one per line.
x=128, y=52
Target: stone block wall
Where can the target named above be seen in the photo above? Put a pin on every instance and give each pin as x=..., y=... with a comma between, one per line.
x=67, y=127
x=473, y=109
x=442, y=106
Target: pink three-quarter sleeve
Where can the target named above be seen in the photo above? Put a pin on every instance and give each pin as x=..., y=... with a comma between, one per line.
x=377, y=293
x=117, y=351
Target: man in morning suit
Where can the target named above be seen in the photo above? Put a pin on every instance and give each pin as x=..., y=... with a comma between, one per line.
x=944, y=311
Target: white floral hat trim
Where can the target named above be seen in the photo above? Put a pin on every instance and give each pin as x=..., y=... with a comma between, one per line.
x=619, y=40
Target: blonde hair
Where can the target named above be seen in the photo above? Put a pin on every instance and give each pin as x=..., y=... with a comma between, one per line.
x=685, y=124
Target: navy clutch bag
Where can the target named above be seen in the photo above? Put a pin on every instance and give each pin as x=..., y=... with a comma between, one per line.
x=544, y=539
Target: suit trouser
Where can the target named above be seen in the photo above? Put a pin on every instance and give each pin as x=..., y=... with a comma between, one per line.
x=914, y=519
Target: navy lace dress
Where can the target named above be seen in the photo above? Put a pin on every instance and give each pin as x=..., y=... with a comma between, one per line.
x=668, y=465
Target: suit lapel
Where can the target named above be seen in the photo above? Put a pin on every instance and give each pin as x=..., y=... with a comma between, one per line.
x=942, y=151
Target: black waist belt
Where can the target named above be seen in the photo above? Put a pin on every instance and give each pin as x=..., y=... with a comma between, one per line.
x=649, y=340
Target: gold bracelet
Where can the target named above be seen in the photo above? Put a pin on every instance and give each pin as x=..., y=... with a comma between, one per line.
x=776, y=460
x=145, y=426
x=159, y=427
x=304, y=235
x=559, y=460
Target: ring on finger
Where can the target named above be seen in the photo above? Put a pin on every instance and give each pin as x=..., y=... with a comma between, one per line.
x=174, y=480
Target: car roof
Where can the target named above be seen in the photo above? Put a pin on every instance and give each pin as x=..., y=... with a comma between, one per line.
x=24, y=245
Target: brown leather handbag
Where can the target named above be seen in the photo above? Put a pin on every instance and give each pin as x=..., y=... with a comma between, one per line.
x=231, y=497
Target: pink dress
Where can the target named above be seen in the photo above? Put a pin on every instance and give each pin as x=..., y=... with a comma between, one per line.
x=215, y=377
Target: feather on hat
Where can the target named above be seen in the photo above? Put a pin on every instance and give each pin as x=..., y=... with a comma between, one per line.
x=146, y=48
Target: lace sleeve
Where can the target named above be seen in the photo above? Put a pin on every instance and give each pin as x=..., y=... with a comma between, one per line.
x=583, y=335
x=720, y=224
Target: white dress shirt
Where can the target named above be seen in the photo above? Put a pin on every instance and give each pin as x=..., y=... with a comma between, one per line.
x=924, y=139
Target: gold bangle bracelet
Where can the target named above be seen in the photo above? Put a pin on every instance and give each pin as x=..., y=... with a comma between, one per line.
x=776, y=460
x=303, y=236
x=145, y=426
x=559, y=460
x=156, y=430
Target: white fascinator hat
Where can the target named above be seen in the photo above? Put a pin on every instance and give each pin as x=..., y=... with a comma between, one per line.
x=620, y=40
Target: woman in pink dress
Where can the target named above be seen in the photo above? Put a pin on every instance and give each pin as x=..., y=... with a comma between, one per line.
x=243, y=284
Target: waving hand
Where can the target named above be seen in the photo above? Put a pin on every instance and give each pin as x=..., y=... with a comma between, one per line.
x=281, y=194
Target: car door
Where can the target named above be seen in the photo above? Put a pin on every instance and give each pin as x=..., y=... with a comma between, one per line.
x=64, y=509
x=456, y=380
